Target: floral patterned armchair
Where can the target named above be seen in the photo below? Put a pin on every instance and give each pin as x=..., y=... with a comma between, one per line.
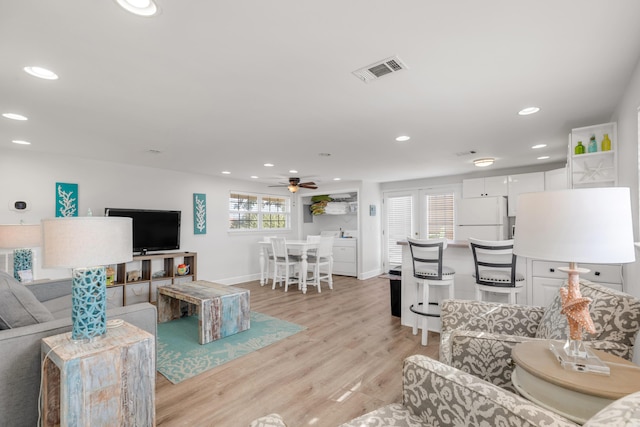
x=477, y=337
x=437, y=395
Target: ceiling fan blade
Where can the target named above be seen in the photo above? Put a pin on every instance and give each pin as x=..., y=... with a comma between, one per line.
x=308, y=185
x=279, y=185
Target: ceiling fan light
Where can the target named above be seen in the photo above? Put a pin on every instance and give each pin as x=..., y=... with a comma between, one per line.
x=484, y=162
x=293, y=188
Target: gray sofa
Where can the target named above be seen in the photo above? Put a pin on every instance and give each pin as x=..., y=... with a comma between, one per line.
x=438, y=395
x=20, y=355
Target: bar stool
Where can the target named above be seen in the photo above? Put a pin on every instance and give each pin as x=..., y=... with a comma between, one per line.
x=428, y=271
x=495, y=268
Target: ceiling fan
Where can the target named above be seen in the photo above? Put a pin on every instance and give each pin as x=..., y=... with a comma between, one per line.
x=295, y=184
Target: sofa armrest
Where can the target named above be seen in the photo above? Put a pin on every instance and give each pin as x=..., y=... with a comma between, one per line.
x=488, y=317
x=622, y=412
x=485, y=355
x=443, y=395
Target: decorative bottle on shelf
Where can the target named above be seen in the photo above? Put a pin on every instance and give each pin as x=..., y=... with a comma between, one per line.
x=606, y=143
x=579, y=148
x=593, y=145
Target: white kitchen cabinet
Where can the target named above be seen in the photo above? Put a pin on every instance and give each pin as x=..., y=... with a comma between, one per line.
x=546, y=279
x=556, y=179
x=597, y=169
x=345, y=257
x=485, y=187
x=523, y=183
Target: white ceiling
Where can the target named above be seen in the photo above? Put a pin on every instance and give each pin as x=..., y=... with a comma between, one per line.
x=231, y=85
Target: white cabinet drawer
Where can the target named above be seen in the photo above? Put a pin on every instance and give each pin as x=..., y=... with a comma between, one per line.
x=344, y=254
x=136, y=293
x=345, y=268
x=599, y=273
x=114, y=296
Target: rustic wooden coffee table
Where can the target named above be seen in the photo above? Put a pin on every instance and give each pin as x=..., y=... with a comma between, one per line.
x=222, y=310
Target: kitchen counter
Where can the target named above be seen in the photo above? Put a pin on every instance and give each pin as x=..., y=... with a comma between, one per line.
x=453, y=244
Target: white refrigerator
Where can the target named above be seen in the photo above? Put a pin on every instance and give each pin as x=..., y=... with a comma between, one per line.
x=483, y=218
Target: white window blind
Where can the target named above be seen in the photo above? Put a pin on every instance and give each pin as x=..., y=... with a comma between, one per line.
x=440, y=216
x=399, y=220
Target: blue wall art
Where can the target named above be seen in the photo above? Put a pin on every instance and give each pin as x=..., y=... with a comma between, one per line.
x=199, y=213
x=66, y=199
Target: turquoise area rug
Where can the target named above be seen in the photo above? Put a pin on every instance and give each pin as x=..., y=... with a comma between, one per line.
x=180, y=357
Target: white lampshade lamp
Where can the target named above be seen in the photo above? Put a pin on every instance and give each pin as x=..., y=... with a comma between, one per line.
x=590, y=225
x=87, y=244
x=21, y=238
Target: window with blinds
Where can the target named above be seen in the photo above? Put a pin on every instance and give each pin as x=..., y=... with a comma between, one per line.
x=255, y=212
x=399, y=221
x=440, y=216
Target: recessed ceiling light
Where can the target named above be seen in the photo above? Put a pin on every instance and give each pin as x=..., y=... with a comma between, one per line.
x=139, y=7
x=17, y=141
x=269, y=165
x=543, y=157
x=14, y=116
x=337, y=179
x=293, y=171
x=403, y=138
x=226, y=173
x=535, y=147
x=254, y=177
x=483, y=163
x=528, y=110
x=42, y=73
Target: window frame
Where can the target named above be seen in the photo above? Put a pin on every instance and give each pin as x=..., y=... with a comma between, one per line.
x=260, y=211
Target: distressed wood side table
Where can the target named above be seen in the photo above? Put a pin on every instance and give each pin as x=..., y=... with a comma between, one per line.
x=106, y=382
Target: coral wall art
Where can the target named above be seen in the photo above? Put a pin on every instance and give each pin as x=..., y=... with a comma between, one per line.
x=66, y=199
x=199, y=213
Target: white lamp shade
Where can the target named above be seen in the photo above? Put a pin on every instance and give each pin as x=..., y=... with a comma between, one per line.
x=591, y=225
x=74, y=242
x=20, y=236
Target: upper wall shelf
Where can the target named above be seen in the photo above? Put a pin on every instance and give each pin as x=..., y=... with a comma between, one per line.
x=598, y=168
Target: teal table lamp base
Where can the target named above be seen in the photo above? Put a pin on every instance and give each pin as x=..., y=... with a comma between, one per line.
x=89, y=304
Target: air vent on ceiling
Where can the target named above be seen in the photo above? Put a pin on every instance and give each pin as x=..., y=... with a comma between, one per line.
x=379, y=69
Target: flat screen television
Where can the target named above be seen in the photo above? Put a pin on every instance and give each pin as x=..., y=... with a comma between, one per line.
x=153, y=230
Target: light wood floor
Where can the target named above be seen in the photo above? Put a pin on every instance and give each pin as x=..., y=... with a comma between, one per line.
x=346, y=363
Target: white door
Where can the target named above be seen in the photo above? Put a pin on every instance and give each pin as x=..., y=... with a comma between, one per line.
x=400, y=223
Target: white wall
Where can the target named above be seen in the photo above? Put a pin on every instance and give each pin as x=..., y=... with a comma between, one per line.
x=626, y=115
x=370, y=230
x=222, y=256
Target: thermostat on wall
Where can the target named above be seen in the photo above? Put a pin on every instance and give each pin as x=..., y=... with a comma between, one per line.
x=20, y=205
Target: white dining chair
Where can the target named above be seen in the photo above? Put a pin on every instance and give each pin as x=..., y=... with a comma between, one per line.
x=285, y=265
x=321, y=263
x=269, y=261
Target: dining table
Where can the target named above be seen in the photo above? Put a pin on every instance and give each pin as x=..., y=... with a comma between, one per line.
x=300, y=247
